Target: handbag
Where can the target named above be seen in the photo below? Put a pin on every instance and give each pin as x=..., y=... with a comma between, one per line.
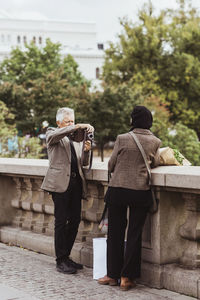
x=103, y=224
x=154, y=207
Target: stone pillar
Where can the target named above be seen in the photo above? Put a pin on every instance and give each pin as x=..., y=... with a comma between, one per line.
x=190, y=231
x=27, y=215
x=7, y=211
x=96, y=192
x=162, y=244
x=37, y=206
x=91, y=213
x=48, y=214
x=17, y=202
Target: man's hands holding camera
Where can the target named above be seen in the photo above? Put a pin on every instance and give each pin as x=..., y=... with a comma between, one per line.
x=89, y=137
x=87, y=146
x=88, y=127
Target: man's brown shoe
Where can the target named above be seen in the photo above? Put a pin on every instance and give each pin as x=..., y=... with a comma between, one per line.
x=126, y=284
x=107, y=280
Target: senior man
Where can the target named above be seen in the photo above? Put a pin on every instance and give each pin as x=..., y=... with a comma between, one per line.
x=65, y=181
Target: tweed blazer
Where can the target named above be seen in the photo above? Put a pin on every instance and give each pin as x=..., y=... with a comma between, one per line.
x=126, y=162
x=59, y=154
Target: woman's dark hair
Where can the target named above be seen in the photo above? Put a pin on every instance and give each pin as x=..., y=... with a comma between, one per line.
x=141, y=118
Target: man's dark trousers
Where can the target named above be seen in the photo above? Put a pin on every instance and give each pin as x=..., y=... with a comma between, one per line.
x=67, y=212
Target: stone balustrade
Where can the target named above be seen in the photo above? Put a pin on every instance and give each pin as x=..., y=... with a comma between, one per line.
x=171, y=238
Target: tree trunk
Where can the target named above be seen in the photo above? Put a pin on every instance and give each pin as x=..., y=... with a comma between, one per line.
x=102, y=152
x=98, y=151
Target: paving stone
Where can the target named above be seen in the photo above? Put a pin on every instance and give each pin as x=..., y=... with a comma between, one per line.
x=8, y=293
x=33, y=276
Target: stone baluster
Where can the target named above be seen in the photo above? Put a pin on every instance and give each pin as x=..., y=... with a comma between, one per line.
x=34, y=206
x=17, y=202
x=92, y=213
x=49, y=214
x=88, y=229
x=27, y=215
x=190, y=231
x=85, y=225
x=37, y=206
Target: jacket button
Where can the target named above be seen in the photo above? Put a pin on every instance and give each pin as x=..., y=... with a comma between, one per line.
x=67, y=174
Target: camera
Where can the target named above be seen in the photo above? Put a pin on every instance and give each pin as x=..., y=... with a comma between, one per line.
x=90, y=136
x=81, y=134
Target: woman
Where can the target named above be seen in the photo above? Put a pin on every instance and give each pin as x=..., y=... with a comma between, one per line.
x=129, y=187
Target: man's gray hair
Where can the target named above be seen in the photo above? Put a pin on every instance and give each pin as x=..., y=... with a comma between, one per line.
x=62, y=112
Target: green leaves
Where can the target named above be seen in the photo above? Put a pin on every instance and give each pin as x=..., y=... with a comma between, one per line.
x=160, y=56
x=36, y=82
x=7, y=126
x=109, y=112
x=186, y=141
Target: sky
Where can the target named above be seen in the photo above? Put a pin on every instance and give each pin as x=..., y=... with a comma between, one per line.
x=105, y=13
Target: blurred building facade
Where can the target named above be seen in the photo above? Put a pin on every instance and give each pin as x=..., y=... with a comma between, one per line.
x=77, y=38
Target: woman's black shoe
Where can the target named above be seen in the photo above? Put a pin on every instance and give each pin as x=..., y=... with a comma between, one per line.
x=73, y=264
x=65, y=267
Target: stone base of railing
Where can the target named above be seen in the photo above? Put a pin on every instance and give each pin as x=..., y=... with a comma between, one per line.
x=170, y=276
x=81, y=252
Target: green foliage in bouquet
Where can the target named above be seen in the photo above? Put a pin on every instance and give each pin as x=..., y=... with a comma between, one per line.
x=178, y=157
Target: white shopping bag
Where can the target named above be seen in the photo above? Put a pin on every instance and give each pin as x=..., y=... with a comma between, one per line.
x=99, y=257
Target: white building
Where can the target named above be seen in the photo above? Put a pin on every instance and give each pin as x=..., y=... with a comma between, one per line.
x=77, y=39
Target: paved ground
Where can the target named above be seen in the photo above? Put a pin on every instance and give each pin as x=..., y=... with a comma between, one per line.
x=26, y=275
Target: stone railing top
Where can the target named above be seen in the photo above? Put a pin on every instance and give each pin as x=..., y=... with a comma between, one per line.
x=187, y=177
x=168, y=176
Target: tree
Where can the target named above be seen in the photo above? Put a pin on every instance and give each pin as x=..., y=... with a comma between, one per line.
x=186, y=141
x=25, y=147
x=109, y=112
x=160, y=56
x=35, y=82
x=29, y=147
x=7, y=126
x=161, y=116
x=138, y=51
x=176, y=136
x=181, y=65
